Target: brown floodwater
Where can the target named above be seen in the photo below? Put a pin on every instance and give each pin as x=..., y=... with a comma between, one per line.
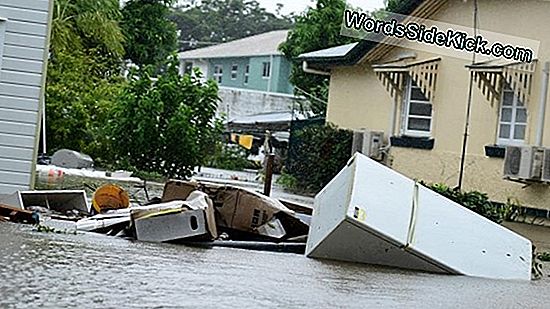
x=45, y=270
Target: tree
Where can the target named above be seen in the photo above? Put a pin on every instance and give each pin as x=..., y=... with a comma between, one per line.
x=150, y=36
x=318, y=28
x=84, y=73
x=83, y=25
x=217, y=21
x=164, y=125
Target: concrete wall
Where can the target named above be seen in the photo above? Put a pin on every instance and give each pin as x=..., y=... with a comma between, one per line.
x=24, y=33
x=239, y=102
x=357, y=99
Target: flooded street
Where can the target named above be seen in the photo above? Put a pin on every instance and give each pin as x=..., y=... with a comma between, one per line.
x=96, y=271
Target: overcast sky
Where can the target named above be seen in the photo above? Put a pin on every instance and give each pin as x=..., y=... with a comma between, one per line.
x=300, y=5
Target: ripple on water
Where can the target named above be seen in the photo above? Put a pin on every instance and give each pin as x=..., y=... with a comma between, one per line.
x=95, y=271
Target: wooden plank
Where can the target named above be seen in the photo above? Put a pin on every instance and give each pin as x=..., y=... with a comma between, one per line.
x=22, y=65
x=19, y=14
x=21, y=116
x=35, y=5
x=23, y=129
x=17, y=26
x=25, y=40
x=21, y=78
x=15, y=152
x=13, y=165
x=7, y=188
x=13, y=140
x=22, y=52
x=15, y=178
x=19, y=215
x=26, y=104
x=22, y=91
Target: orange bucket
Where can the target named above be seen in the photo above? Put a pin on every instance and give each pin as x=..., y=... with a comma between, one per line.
x=109, y=197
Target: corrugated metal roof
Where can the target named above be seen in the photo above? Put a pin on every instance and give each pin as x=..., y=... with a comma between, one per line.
x=264, y=44
x=338, y=51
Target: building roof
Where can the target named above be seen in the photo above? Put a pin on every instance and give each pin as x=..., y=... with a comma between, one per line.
x=349, y=55
x=338, y=51
x=264, y=44
x=270, y=117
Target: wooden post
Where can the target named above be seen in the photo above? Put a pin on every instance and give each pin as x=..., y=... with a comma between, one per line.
x=18, y=215
x=268, y=173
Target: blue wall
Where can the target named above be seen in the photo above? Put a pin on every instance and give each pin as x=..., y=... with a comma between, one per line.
x=279, y=79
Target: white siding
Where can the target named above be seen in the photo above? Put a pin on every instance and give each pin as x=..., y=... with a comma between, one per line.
x=23, y=41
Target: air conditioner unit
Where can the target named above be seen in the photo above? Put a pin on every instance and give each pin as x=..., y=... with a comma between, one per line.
x=545, y=174
x=523, y=162
x=368, y=143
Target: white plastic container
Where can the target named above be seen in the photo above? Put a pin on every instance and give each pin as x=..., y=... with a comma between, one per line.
x=371, y=214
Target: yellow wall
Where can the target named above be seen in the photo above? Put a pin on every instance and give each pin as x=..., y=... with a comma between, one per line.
x=357, y=99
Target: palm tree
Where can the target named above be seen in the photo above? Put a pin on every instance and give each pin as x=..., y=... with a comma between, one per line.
x=80, y=25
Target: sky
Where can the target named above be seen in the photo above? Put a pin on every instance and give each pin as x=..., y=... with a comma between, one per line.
x=300, y=5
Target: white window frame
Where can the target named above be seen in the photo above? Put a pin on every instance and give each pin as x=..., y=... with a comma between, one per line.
x=234, y=71
x=406, y=116
x=266, y=74
x=218, y=73
x=511, y=141
x=246, y=74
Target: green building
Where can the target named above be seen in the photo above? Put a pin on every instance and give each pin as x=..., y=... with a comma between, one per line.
x=253, y=63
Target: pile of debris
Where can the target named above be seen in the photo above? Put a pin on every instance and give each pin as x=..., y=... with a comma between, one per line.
x=188, y=212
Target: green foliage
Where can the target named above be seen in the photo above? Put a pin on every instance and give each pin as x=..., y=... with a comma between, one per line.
x=544, y=256
x=78, y=102
x=230, y=157
x=84, y=72
x=477, y=202
x=318, y=28
x=85, y=25
x=288, y=181
x=164, y=125
x=324, y=150
x=224, y=20
x=150, y=36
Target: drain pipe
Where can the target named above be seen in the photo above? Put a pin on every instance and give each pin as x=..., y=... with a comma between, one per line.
x=542, y=105
x=307, y=69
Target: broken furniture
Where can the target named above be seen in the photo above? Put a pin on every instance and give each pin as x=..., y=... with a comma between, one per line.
x=61, y=201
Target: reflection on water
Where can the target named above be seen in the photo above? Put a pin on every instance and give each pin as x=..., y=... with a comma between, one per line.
x=96, y=271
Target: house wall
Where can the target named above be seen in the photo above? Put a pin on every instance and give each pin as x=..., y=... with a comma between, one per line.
x=24, y=33
x=279, y=82
x=357, y=99
x=237, y=102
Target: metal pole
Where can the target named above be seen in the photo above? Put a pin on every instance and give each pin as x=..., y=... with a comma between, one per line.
x=542, y=106
x=468, y=109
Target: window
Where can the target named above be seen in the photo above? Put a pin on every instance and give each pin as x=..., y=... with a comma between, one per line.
x=218, y=73
x=417, y=111
x=246, y=74
x=234, y=70
x=266, y=72
x=188, y=68
x=512, y=120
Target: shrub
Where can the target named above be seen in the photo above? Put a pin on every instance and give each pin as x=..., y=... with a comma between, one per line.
x=321, y=152
x=164, y=125
x=230, y=157
x=476, y=201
